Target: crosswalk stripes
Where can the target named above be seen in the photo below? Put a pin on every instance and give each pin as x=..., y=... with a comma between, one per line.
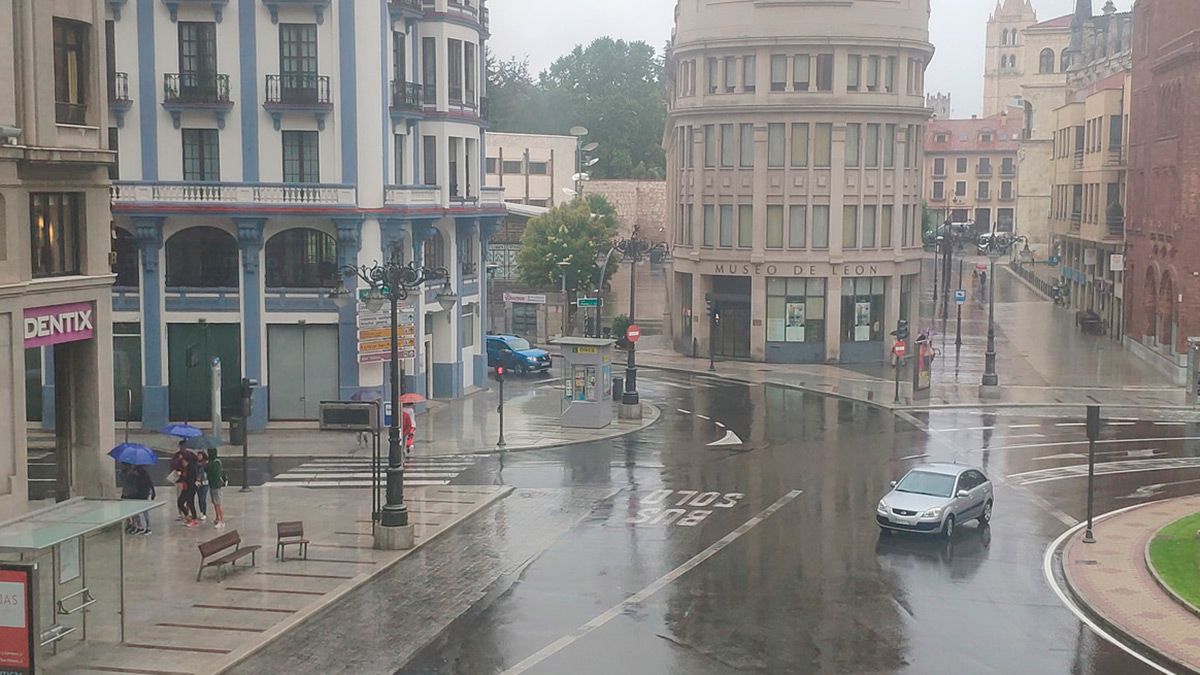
x=333, y=472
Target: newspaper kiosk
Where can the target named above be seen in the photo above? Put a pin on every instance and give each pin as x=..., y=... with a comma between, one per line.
x=587, y=379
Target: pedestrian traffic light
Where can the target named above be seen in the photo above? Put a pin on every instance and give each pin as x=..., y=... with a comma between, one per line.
x=901, y=332
x=708, y=304
x=500, y=373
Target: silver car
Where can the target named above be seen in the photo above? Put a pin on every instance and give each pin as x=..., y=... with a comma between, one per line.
x=936, y=498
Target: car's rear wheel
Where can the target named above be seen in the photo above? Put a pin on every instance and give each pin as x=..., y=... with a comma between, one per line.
x=948, y=527
x=986, y=516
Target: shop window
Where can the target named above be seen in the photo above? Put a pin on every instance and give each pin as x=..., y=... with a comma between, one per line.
x=202, y=257
x=55, y=231
x=795, y=310
x=125, y=258
x=862, y=309
x=301, y=258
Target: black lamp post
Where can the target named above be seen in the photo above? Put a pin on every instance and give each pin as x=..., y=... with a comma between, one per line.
x=392, y=281
x=998, y=245
x=634, y=250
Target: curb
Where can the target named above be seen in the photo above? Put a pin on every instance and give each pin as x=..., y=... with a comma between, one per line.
x=786, y=385
x=1130, y=640
x=655, y=416
x=1159, y=580
x=275, y=632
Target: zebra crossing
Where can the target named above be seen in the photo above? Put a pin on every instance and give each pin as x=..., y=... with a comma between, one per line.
x=336, y=472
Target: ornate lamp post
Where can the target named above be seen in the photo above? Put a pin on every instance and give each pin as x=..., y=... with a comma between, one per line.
x=998, y=245
x=391, y=282
x=634, y=250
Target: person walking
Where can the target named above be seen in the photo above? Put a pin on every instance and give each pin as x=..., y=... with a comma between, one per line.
x=216, y=480
x=202, y=483
x=408, y=427
x=187, y=482
x=129, y=491
x=145, y=491
x=179, y=462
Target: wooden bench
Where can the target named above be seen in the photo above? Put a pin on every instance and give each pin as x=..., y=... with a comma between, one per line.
x=290, y=534
x=214, y=547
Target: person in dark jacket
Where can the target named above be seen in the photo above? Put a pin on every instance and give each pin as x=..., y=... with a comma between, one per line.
x=187, y=482
x=144, y=490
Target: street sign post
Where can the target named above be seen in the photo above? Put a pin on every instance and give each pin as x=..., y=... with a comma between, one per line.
x=1093, y=432
x=960, y=296
x=588, y=302
x=633, y=333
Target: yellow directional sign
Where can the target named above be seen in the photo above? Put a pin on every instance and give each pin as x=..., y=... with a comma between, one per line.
x=385, y=345
x=369, y=334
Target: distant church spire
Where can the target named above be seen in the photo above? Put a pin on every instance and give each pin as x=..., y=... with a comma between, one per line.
x=1083, y=14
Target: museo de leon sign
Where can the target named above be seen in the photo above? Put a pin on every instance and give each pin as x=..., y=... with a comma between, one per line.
x=59, y=324
x=794, y=269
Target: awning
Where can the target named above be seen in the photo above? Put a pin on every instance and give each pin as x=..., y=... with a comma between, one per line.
x=52, y=525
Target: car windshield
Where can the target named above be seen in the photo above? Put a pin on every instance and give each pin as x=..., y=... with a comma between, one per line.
x=926, y=483
x=519, y=344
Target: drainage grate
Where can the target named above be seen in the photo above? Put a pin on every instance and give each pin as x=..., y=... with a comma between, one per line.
x=1087, y=562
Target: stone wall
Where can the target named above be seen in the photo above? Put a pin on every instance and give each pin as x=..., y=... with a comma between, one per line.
x=640, y=202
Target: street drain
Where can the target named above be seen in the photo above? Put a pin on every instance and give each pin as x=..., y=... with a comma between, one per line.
x=1087, y=562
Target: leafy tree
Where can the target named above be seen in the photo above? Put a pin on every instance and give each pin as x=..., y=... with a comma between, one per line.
x=575, y=232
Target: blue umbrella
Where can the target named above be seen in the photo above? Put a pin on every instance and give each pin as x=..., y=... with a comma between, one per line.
x=182, y=430
x=133, y=453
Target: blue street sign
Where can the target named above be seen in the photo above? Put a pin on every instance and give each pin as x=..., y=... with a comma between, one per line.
x=1053, y=260
x=960, y=297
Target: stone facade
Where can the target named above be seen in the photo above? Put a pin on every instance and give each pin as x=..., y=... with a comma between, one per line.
x=638, y=202
x=1164, y=185
x=971, y=169
x=794, y=159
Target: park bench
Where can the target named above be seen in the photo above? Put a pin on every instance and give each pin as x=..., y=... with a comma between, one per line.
x=290, y=534
x=215, y=547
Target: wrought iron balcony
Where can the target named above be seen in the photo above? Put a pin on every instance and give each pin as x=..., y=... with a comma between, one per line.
x=1076, y=219
x=1008, y=171
x=1116, y=226
x=408, y=100
x=118, y=96
x=317, y=6
x=405, y=9
x=298, y=92
x=196, y=91
x=983, y=170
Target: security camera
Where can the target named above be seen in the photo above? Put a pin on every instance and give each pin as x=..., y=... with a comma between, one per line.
x=9, y=132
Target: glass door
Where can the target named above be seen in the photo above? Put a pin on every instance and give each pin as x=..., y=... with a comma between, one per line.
x=197, y=60
x=298, y=63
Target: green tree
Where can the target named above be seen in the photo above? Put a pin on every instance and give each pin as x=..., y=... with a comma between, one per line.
x=576, y=232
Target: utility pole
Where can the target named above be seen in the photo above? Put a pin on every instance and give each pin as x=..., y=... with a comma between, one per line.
x=958, y=329
x=1093, y=432
x=248, y=386
x=500, y=408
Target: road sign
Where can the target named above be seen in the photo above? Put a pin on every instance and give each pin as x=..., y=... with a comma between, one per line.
x=960, y=297
x=371, y=334
x=528, y=298
x=899, y=349
x=588, y=302
x=633, y=332
x=408, y=355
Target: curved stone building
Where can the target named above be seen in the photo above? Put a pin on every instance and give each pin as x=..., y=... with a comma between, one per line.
x=794, y=158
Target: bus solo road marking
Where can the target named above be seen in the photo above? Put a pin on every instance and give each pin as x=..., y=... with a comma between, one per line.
x=684, y=508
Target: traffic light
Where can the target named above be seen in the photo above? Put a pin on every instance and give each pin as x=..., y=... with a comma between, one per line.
x=500, y=373
x=708, y=304
x=901, y=332
x=712, y=309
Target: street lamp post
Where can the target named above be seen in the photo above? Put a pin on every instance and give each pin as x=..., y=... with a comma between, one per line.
x=634, y=250
x=392, y=281
x=998, y=244
x=566, y=306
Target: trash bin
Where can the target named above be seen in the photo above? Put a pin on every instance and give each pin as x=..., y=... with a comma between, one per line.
x=237, y=430
x=618, y=387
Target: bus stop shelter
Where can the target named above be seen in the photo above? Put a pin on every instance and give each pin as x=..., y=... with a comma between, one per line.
x=66, y=563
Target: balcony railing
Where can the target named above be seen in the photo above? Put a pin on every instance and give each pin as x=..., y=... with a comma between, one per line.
x=407, y=95
x=1116, y=226
x=263, y=194
x=298, y=90
x=118, y=88
x=412, y=195
x=199, y=89
x=1076, y=219
x=1008, y=171
x=1078, y=159
x=982, y=170
x=491, y=196
x=1115, y=157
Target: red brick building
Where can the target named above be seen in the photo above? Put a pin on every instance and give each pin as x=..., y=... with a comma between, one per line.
x=1163, y=214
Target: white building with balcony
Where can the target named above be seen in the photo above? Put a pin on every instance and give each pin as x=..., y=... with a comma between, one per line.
x=264, y=145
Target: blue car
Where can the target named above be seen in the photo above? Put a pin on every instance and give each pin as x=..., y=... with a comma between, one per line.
x=516, y=354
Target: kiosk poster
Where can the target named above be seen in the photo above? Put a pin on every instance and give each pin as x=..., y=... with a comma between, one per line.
x=16, y=619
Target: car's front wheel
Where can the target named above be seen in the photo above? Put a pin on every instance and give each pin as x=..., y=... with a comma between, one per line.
x=523, y=368
x=948, y=527
x=986, y=516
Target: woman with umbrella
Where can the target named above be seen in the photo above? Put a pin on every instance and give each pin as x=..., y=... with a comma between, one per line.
x=137, y=483
x=408, y=422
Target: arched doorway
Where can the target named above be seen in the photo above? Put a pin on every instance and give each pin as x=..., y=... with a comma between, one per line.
x=301, y=258
x=202, y=257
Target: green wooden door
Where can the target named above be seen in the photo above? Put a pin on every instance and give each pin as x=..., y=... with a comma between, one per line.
x=190, y=385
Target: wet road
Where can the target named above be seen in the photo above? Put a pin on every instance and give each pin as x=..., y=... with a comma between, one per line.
x=764, y=556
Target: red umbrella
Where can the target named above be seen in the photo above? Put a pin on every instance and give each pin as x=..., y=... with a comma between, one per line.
x=411, y=398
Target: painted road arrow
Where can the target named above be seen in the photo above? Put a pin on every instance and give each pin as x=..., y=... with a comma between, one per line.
x=729, y=439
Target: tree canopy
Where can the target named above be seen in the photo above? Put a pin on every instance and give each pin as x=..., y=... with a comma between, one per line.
x=612, y=87
x=576, y=232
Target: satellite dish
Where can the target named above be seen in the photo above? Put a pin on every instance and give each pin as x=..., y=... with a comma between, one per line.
x=568, y=191
x=579, y=131
x=591, y=147
x=581, y=176
x=592, y=161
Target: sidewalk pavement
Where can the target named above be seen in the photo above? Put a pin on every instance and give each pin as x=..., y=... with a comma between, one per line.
x=1111, y=578
x=1042, y=359
x=462, y=426
x=177, y=625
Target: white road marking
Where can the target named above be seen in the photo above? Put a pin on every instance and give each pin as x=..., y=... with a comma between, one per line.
x=1104, y=468
x=1062, y=455
x=730, y=438
x=1152, y=490
x=719, y=424
x=1024, y=426
x=909, y=457
x=704, y=417
x=1070, y=424
x=644, y=594
x=980, y=428
x=945, y=431
x=1048, y=572
x=1007, y=437
x=1119, y=424
x=1170, y=424
x=684, y=412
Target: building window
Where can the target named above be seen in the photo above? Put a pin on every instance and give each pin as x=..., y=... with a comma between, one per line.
x=55, y=229
x=869, y=225
x=960, y=188
x=727, y=146
x=435, y=250
x=885, y=226
x=984, y=190
x=429, y=69
x=1004, y=220
x=469, y=72
x=862, y=309
x=466, y=326
x=710, y=146
x=853, y=72
x=454, y=72
x=795, y=310
x=298, y=63
x=730, y=65
x=712, y=75
x=1065, y=61
x=872, y=73
x=824, y=72
x=301, y=258
x=398, y=158
x=871, y=147
x=492, y=165
x=749, y=72
x=747, y=145
x=939, y=167
x=939, y=190
x=849, y=227
x=201, y=155
x=726, y=225
x=960, y=165
x=889, y=146
x=799, y=144
x=202, y=257
x=710, y=225
x=889, y=75
x=539, y=169
x=853, y=144
x=198, y=61
x=512, y=166
x=1046, y=61
x=820, y=227
x=797, y=217
x=823, y=152
x=125, y=255
x=778, y=72
x=688, y=148
x=776, y=144
x=774, y=226
x=70, y=71
x=801, y=72
x=1006, y=189
x=745, y=226
x=429, y=160
x=301, y=157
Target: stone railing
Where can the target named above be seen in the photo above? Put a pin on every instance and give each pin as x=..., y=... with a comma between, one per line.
x=233, y=193
x=412, y=195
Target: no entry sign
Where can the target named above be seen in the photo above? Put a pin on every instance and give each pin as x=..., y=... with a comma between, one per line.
x=633, y=332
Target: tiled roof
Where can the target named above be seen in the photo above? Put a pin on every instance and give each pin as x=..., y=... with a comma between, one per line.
x=1060, y=22
x=963, y=134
